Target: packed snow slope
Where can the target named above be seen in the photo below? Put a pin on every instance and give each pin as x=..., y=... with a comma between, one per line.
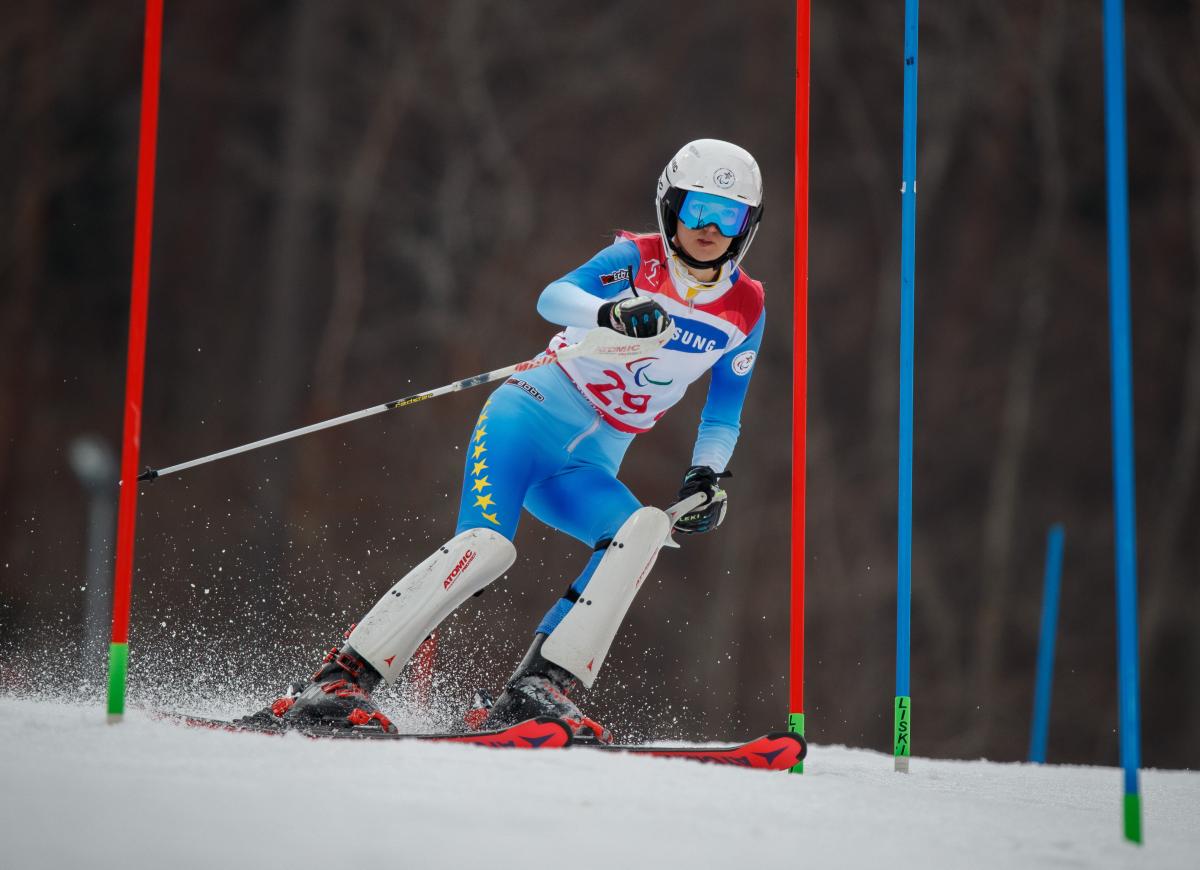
x=147, y=794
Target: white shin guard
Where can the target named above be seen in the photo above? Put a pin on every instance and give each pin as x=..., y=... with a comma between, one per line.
x=389, y=635
x=581, y=641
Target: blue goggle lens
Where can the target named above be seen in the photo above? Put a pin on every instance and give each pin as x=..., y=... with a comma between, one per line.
x=701, y=209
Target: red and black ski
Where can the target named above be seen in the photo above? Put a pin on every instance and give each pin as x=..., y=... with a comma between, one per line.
x=543, y=732
x=780, y=750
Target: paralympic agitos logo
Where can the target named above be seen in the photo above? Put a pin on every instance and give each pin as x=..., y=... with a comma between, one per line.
x=638, y=368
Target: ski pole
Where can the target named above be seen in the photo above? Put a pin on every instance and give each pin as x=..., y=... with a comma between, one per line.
x=599, y=342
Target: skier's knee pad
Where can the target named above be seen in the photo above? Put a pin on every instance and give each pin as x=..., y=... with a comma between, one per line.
x=391, y=632
x=581, y=641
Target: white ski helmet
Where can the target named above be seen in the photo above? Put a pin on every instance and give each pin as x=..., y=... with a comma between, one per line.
x=717, y=171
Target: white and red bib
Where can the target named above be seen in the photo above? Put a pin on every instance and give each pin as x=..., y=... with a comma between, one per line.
x=709, y=321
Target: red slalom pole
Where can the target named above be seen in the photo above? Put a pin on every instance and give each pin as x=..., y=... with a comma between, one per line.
x=799, y=372
x=118, y=651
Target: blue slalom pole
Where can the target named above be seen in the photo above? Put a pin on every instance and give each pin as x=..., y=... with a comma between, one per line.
x=1051, y=582
x=908, y=259
x=1122, y=412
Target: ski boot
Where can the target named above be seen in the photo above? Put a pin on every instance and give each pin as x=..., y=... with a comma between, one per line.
x=337, y=696
x=538, y=687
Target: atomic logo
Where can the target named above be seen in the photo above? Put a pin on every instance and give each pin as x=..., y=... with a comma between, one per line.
x=639, y=366
x=466, y=560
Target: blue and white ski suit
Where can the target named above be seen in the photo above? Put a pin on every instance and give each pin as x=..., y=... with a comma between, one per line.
x=551, y=439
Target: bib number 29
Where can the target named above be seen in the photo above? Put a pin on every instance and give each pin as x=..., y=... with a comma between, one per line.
x=630, y=403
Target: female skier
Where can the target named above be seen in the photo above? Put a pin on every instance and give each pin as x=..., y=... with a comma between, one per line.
x=551, y=441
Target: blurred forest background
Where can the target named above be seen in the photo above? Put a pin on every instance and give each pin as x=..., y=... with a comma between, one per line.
x=360, y=200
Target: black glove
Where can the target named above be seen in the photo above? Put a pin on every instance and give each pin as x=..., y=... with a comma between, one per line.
x=701, y=478
x=639, y=317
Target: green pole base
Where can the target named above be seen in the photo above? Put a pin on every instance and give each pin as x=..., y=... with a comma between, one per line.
x=796, y=725
x=1133, y=818
x=118, y=668
x=903, y=732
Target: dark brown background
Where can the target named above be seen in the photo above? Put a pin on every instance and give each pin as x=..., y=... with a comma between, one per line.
x=359, y=200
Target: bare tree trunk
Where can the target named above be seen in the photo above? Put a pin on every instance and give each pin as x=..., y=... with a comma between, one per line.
x=350, y=249
x=495, y=173
x=281, y=372
x=1004, y=488
x=1166, y=578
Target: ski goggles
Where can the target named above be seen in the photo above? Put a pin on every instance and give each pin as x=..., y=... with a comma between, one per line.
x=701, y=209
